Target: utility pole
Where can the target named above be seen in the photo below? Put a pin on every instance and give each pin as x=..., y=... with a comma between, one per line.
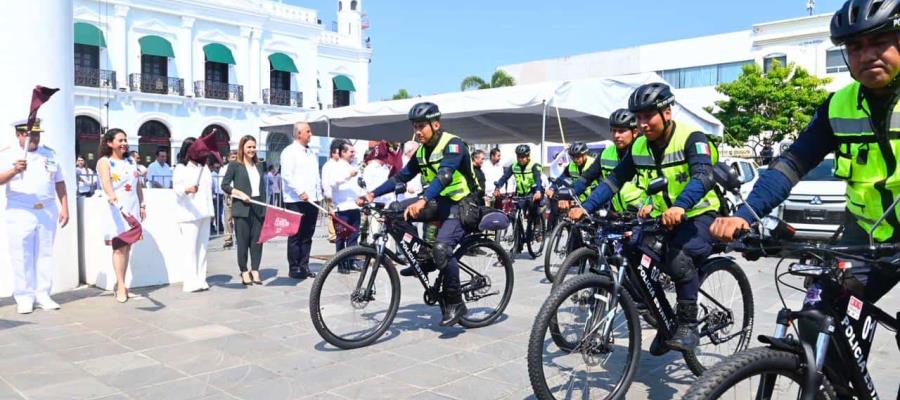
x=810, y=6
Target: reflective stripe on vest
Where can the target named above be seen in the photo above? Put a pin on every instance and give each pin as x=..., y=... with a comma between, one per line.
x=524, y=177
x=629, y=194
x=861, y=160
x=674, y=167
x=575, y=173
x=458, y=187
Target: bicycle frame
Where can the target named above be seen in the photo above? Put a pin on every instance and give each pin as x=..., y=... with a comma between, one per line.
x=852, y=333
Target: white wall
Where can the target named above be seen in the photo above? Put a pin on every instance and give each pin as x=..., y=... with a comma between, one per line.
x=35, y=65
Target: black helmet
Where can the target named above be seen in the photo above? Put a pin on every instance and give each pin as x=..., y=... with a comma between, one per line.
x=622, y=118
x=861, y=17
x=426, y=112
x=523, y=150
x=652, y=96
x=577, y=149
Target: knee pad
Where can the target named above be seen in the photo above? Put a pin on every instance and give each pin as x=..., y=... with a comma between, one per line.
x=442, y=254
x=681, y=267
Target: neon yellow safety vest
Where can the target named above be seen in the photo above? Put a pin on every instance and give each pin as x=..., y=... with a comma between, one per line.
x=674, y=167
x=458, y=187
x=872, y=179
x=575, y=173
x=524, y=177
x=629, y=194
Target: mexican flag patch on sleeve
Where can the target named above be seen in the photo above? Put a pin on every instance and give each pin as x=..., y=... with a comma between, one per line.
x=703, y=148
x=453, y=148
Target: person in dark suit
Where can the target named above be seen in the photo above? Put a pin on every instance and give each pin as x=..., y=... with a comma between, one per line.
x=477, y=162
x=244, y=180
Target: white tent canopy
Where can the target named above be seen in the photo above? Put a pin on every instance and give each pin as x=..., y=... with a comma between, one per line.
x=517, y=114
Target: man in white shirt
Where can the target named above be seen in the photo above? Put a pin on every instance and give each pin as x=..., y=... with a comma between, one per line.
x=141, y=169
x=228, y=223
x=160, y=173
x=342, y=184
x=493, y=171
x=334, y=155
x=86, y=178
x=302, y=186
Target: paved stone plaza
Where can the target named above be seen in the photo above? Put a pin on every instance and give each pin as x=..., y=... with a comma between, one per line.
x=236, y=342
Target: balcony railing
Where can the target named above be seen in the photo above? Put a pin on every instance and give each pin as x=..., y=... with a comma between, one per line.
x=218, y=90
x=283, y=97
x=156, y=84
x=95, y=77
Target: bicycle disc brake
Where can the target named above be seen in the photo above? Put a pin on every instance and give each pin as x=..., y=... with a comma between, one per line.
x=361, y=298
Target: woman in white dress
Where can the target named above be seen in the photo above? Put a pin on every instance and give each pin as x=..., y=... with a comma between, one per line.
x=193, y=214
x=120, y=181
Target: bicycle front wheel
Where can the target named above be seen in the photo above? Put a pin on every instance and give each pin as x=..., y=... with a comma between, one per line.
x=557, y=249
x=538, y=231
x=760, y=373
x=607, y=334
x=352, y=306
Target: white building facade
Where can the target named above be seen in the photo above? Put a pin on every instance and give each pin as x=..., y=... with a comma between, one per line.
x=697, y=65
x=165, y=70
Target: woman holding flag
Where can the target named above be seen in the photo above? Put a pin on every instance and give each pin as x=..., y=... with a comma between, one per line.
x=194, y=213
x=119, y=179
x=244, y=180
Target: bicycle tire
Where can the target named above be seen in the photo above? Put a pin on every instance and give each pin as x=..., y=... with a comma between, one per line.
x=507, y=264
x=573, y=261
x=316, y=312
x=538, y=235
x=553, y=242
x=749, y=363
x=548, y=311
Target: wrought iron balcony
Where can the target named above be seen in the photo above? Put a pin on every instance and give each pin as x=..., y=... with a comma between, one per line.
x=218, y=90
x=95, y=77
x=282, y=97
x=159, y=84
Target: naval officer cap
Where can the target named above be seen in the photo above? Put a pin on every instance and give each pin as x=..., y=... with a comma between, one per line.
x=22, y=125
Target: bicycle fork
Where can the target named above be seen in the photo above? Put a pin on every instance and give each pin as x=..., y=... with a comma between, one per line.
x=814, y=359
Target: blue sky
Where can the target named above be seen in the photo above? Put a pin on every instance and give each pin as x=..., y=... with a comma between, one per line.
x=429, y=46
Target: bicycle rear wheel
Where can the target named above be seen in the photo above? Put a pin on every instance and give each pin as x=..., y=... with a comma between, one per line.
x=509, y=238
x=486, y=279
x=557, y=249
x=575, y=264
x=344, y=311
x=538, y=232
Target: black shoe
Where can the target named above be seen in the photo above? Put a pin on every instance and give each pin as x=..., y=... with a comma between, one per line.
x=685, y=339
x=658, y=347
x=451, y=313
x=411, y=271
x=301, y=275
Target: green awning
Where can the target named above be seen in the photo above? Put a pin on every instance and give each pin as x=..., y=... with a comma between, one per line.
x=156, y=46
x=88, y=34
x=281, y=62
x=342, y=82
x=218, y=53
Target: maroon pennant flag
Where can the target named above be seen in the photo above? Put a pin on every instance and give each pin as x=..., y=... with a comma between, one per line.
x=342, y=229
x=132, y=235
x=279, y=222
x=39, y=96
x=202, y=148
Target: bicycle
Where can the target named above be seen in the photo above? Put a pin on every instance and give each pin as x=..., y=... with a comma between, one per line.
x=607, y=331
x=353, y=308
x=520, y=231
x=794, y=366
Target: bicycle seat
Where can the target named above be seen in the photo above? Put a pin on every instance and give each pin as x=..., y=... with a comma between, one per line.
x=493, y=221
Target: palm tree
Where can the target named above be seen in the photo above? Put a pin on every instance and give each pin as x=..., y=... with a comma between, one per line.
x=401, y=94
x=499, y=79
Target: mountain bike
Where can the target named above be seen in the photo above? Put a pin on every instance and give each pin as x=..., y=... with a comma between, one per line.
x=524, y=229
x=353, y=307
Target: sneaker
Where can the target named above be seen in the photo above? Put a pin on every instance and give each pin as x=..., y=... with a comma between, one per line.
x=46, y=303
x=658, y=347
x=25, y=307
x=411, y=271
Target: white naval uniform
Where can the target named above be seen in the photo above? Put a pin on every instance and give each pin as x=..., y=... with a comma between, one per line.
x=32, y=216
x=193, y=214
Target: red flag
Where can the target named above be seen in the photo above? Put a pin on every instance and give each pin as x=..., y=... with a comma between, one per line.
x=130, y=236
x=279, y=222
x=39, y=96
x=202, y=148
x=342, y=229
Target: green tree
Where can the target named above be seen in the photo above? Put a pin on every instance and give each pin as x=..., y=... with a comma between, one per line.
x=768, y=106
x=401, y=94
x=499, y=79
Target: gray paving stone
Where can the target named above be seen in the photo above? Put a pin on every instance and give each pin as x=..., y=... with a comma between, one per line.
x=475, y=388
x=426, y=376
x=182, y=389
x=92, y=351
x=84, y=388
x=8, y=393
x=243, y=375
x=140, y=377
x=117, y=363
x=377, y=388
x=194, y=358
x=204, y=332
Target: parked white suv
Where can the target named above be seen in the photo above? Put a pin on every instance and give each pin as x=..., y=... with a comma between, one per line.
x=816, y=205
x=747, y=171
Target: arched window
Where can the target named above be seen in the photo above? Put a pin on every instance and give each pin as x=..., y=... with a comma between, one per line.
x=152, y=137
x=342, y=86
x=222, y=139
x=275, y=143
x=87, y=139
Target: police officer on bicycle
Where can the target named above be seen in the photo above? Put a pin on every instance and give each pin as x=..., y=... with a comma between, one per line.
x=623, y=126
x=859, y=124
x=579, y=153
x=446, y=171
x=527, y=176
x=681, y=154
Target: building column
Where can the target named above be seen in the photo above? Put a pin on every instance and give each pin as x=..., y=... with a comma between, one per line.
x=184, y=55
x=244, y=63
x=48, y=25
x=258, y=73
x=117, y=45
